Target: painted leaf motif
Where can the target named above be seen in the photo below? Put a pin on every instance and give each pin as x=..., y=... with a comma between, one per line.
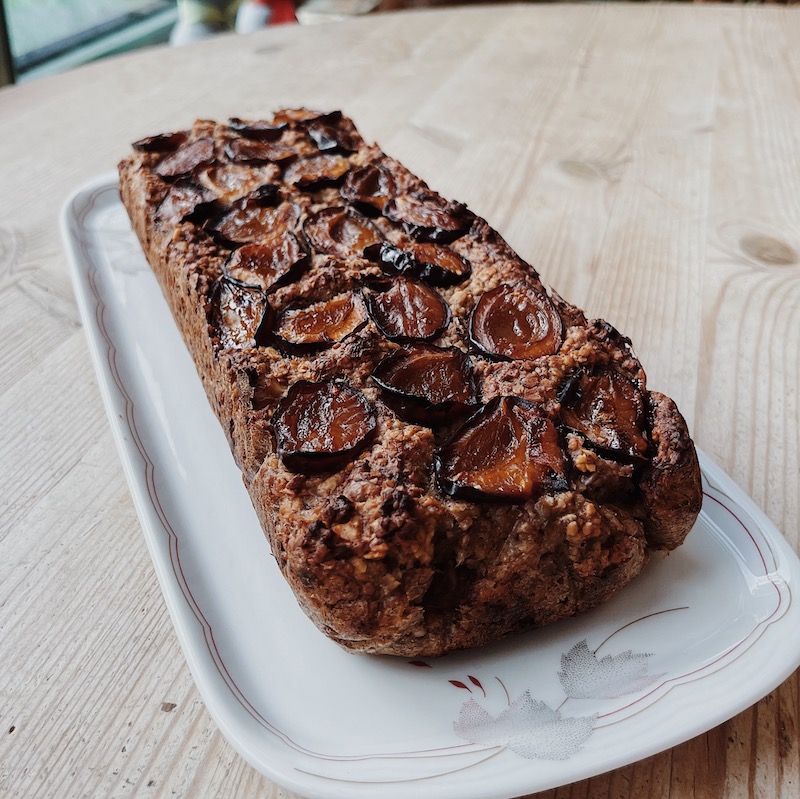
x=527, y=727
x=583, y=676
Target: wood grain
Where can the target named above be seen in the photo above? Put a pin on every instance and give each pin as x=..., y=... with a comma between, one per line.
x=644, y=158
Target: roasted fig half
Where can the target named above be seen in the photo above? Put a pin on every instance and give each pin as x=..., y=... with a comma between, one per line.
x=340, y=231
x=428, y=385
x=269, y=264
x=186, y=158
x=237, y=312
x=369, y=188
x=508, y=451
x=321, y=426
x=608, y=409
x=408, y=311
x=436, y=264
x=250, y=220
x=316, y=172
x=428, y=217
x=321, y=324
x=515, y=322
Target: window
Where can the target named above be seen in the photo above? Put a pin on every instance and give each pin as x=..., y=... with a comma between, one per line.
x=45, y=36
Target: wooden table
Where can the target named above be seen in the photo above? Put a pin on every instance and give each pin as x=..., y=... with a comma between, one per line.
x=645, y=158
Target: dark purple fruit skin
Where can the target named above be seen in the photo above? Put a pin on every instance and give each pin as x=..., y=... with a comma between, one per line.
x=478, y=346
x=397, y=261
x=301, y=348
x=161, y=143
x=372, y=300
x=250, y=298
x=261, y=131
x=419, y=217
x=185, y=159
x=369, y=188
x=309, y=462
x=420, y=410
x=450, y=488
x=292, y=273
x=570, y=394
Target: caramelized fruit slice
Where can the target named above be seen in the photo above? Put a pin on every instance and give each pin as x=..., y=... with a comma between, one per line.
x=181, y=200
x=369, y=188
x=332, y=132
x=516, y=321
x=428, y=385
x=340, y=231
x=248, y=221
x=408, y=311
x=161, y=143
x=608, y=409
x=507, y=451
x=257, y=129
x=323, y=323
x=230, y=182
x=317, y=171
x=245, y=151
x=322, y=426
x=435, y=264
x=269, y=264
x=186, y=158
x=237, y=312
x=429, y=217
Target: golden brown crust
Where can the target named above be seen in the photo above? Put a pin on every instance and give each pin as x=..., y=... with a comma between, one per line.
x=379, y=556
x=670, y=485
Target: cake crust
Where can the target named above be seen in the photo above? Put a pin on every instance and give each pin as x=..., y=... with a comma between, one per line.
x=382, y=553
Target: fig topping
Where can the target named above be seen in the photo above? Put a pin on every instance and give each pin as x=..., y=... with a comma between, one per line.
x=408, y=311
x=369, y=188
x=323, y=323
x=188, y=157
x=257, y=129
x=609, y=410
x=508, y=451
x=342, y=232
x=237, y=312
x=161, y=143
x=180, y=201
x=429, y=217
x=515, y=322
x=433, y=263
x=248, y=221
x=426, y=384
x=269, y=264
x=321, y=426
x=317, y=171
x=245, y=151
x=333, y=132
x=231, y=182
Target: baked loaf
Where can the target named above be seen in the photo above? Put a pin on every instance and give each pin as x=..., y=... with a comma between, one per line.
x=441, y=451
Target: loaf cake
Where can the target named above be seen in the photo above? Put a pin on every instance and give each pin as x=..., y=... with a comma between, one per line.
x=442, y=451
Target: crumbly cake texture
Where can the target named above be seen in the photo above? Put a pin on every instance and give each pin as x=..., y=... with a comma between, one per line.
x=382, y=553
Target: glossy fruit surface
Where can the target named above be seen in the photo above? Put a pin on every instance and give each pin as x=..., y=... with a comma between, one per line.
x=507, y=451
x=609, y=410
x=516, y=322
x=322, y=426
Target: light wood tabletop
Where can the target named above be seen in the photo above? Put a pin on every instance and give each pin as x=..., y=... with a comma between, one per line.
x=645, y=158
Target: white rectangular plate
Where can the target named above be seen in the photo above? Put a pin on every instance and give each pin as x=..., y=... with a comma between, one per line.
x=698, y=637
